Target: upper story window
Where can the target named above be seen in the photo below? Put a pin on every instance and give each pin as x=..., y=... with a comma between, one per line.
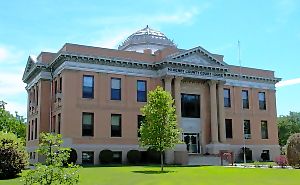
x=264, y=129
x=115, y=89
x=247, y=129
x=55, y=86
x=60, y=84
x=141, y=91
x=116, y=128
x=88, y=87
x=262, y=100
x=87, y=124
x=190, y=105
x=227, y=101
x=245, y=98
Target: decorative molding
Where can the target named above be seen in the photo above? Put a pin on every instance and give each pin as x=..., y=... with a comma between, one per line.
x=258, y=85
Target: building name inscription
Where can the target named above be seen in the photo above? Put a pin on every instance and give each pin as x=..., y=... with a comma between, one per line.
x=194, y=72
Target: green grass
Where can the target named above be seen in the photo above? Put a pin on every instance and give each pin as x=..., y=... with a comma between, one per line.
x=149, y=175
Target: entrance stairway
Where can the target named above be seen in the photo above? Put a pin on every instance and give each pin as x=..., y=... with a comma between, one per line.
x=205, y=160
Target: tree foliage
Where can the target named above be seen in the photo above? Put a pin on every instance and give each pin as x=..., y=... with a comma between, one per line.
x=10, y=123
x=293, y=150
x=159, y=129
x=53, y=171
x=288, y=125
x=13, y=156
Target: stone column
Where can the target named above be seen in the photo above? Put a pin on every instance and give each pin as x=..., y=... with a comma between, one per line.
x=177, y=96
x=221, y=112
x=168, y=84
x=213, y=112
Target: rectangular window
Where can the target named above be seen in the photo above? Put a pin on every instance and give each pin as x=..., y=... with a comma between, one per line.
x=37, y=95
x=227, y=101
x=53, y=124
x=60, y=84
x=32, y=125
x=55, y=86
x=265, y=155
x=117, y=157
x=87, y=157
x=139, y=123
x=88, y=87
x=245, y=98
x=262, y=100
x=247, y=129
x=115, y=88
x=141, y=91
x=28, y=131
x=228, y=125
x=190, y=105
x=58, y=122
x=264, y=130
x=116, y=129
x=87, y=124
x=35, y=129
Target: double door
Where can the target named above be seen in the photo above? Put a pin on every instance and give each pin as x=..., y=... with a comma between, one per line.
x=192, y=142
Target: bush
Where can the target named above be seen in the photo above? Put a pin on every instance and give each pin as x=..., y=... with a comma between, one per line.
x=106, y=156
x=73, y=156
x=293, y=150
x=153, y=156
x=281, y=161
x=134, y=156
x=13, y=156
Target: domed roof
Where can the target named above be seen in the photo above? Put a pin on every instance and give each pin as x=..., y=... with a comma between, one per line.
x=146, y=38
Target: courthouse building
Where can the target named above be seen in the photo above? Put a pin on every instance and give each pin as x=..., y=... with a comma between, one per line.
x=92, y=96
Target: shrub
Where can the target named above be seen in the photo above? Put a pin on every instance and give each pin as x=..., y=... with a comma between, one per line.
x=106, y=156
x=281, y=161
x=13, y=156
x=73, y=156
x=293, y=150
x=134, y=156
x=153, y=156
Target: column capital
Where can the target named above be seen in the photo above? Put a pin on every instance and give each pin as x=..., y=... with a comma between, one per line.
x=212, y=82
x=221, y=83
x=178, y=79
x=167, y=78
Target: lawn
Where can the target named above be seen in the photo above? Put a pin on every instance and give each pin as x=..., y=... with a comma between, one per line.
x=148, y=175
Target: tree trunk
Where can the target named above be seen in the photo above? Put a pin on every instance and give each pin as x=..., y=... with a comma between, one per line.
x=161, y=161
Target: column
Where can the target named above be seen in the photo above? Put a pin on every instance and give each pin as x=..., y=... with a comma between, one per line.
x=221, y=112
x=177, y=94
x=168, y=84
x=213, y=112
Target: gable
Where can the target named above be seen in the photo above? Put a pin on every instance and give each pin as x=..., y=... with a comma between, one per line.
x=198, y=55
x=29, y=65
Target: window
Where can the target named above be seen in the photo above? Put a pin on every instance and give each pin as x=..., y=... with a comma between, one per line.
x=262, y=100
x=115, y=89
x=87, y=124
x=35, y=129
x=265, y=155
x=141, y=91
x=117, y=157
x=53, y=124
x=140, y=120
x=228, y=125
x=245, y=98
x=247, y=129
x=37, y=95
x=190, y=105
x=227, y=101
x=60, y=84
x=88, y=87
x=28, y=131
x=116, y=125
x=264, y=130
x=32, y=125
x=58, y=122
x=87, y=157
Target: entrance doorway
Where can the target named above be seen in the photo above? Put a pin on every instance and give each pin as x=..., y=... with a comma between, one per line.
x=192, y=142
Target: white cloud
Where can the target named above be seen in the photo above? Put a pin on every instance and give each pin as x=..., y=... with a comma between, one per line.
x=9, y=55
x=288, y=82
x=13, y=107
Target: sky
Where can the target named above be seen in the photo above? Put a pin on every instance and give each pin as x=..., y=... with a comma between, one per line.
x=269, y=33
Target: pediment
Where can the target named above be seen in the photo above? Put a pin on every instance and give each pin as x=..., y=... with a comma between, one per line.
x=29, y=65
x=198, y=56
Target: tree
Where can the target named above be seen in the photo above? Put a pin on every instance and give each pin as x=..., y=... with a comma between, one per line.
x=159, y=129
x=293, y=150
x=53, y=171
x=11, y=123
x=288, y=125
x=13, y=156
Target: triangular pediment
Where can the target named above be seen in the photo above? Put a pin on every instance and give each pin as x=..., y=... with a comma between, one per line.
x=29, y=65
x=198, y=56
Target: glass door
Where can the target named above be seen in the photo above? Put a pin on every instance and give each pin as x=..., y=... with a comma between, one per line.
x=192, y=142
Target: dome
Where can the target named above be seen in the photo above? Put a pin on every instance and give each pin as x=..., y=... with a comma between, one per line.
x=146, y=38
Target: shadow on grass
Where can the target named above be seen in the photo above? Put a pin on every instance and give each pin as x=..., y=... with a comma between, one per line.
x=10, y=177
x=153, y=171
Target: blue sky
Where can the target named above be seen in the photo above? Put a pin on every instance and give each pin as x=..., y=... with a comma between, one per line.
x=269, y=32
